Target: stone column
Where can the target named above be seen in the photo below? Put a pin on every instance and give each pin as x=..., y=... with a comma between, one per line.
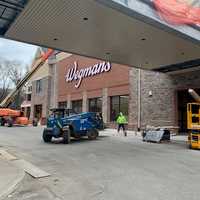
x=85, y=102
x=105, y=105
x=54, y=86
x=25, y=111
x=69, y=103
x=48, y=87
x=33, y=100
x=32, y=112
x=157, y=99
x=133, y=98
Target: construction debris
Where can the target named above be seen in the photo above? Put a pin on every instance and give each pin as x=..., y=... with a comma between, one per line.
x=31, y=169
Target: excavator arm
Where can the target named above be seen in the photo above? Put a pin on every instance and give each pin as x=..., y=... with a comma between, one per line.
x=10, y=97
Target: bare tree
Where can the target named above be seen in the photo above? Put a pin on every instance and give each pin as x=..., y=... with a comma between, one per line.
x=15, y=71
x=4, y=80
x=11, y=74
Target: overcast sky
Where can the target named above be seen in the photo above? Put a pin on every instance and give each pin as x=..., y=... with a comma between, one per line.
x=12, y=50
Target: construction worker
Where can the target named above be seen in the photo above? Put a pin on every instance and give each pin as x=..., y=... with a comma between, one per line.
x=121, y=121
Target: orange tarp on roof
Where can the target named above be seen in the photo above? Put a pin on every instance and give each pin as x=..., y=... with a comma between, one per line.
x=179, y=12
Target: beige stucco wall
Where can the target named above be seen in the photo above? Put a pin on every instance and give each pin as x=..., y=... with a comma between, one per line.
x=41, y=73
x=62, y=55
x=44, y=70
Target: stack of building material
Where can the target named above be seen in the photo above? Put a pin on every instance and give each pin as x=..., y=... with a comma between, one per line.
x=156, y=135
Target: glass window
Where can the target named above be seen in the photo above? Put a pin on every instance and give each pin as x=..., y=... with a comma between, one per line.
x=30, y=88
x=28, y=112
x=124, y=105
x=38, y=86
x=114, y=108
x=118, y=104
x=38, y=111
x=28, y=97
x=95, y=105
x=62, y=104
x=77, y=106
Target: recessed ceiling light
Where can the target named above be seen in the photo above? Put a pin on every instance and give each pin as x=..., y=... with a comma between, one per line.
x=85, y=18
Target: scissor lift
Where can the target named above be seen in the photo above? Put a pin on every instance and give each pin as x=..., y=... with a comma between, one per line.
x=193, y=124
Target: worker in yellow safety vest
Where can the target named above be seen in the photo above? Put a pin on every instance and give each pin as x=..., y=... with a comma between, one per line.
x=121, y=121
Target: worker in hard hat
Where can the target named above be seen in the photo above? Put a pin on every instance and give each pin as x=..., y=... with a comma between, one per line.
x=121, y=121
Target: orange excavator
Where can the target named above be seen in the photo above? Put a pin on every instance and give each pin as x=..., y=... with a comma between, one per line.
x=12, y=117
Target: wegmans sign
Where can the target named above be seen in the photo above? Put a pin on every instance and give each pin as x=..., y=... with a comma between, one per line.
x=77, y=75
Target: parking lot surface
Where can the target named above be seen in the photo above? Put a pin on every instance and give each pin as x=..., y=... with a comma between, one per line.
x=113, y=167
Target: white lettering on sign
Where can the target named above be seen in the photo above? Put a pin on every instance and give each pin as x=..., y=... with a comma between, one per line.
x=74, y=74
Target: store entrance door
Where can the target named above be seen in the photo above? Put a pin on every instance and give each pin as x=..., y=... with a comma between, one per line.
x=28, y=112
x=38, y=111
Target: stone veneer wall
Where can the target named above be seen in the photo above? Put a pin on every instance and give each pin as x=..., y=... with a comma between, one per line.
x=105, y=105
x=160, y=109
x=133, y=98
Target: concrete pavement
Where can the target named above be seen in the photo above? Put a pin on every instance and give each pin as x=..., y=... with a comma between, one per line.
x=113, y=167
x=10, y=177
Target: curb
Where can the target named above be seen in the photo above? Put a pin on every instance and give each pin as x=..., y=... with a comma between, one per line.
x=13, y=185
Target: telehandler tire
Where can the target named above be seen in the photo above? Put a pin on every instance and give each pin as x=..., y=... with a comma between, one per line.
x=66, y=136
x=10, y=122
x=35, y=122
x=46, y=136
x=2, y=121
x=93, y=134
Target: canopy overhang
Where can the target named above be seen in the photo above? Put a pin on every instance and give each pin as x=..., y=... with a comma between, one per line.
x=116, y=30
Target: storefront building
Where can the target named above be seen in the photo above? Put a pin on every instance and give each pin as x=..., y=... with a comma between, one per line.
x=147, y=98
x=85, y=84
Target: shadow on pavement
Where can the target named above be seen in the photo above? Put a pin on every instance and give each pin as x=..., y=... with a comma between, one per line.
x=74, y=141
x=178, y=143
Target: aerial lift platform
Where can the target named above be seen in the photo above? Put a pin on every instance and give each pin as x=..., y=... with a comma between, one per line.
x=15, y=117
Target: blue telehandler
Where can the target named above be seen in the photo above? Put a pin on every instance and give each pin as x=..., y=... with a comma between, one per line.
x=64, y=123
